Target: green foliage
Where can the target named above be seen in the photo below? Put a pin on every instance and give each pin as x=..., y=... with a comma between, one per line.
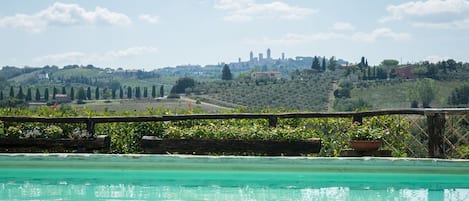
x=182, y=84
x=316, y=65
x=365, y=132
x=459, y=96
x=53, y=131
x=390, y=62
x=351, y=104
x=304, y=95
x=424, y=91
x=226, y=73
x=161, y=91
x=332, y=64
x=125, y=137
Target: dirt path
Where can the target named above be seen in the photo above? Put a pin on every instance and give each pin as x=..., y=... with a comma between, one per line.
x=331, y=101
x=185, y=98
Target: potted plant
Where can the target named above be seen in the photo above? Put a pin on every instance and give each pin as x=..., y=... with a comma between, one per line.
x=365, y=138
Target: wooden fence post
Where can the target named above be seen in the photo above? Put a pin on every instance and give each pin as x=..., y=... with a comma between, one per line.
x=358, y=119
x=272, y=121
x=90, y=127
x=436, y=130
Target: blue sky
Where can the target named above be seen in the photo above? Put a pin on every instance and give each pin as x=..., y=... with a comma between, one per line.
x=150, y=34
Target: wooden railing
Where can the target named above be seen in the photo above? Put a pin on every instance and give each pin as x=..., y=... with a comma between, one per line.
x=436, y=119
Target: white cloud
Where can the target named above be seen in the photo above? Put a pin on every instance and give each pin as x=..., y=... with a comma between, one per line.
x=132, y=51
x=381, y=33
x=431, y=13
x=87, y=58
x=370, y=37
x=67, y=57
x=149, y=19
x=343, y=26
x=64, y=15
x=248, y=10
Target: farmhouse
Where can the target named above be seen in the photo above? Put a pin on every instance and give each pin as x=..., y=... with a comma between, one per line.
x=405, y=72
x=62, y=98
x=266, y=75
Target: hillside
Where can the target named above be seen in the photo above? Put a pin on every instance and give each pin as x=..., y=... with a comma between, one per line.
x=306, y=89
x=302, y=95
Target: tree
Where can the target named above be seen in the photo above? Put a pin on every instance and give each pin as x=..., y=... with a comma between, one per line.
x=137, y=92
x=46, y=94
x=12, y=92
x=153, y=91
x=390, y=62
x=145, y=92
x=20, y=94
x=96, y=93
x=362, y=63
x=332, y=64
x=72, y=94
x=161, y=91
x=54, y=92
x=323, y=64
x=81, y=95
x=226, y=73
x=113, y=92
x=64, y=90
x=315, y=65
x=129, y=92
x=29, y=95
x=106, y=94
x=182, y=84
x=88, y=93
x=121, y=93
x=37, y=95
x=1, y=95
x=424, y=92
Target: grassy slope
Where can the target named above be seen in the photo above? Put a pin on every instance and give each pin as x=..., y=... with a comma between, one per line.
x=396, y=95
x=143, y=105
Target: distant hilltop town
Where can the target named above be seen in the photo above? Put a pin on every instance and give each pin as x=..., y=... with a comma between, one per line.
x=257, y=62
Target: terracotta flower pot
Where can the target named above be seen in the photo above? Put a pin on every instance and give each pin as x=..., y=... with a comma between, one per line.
x=366, y=145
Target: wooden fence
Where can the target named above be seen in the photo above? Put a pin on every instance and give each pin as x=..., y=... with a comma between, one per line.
x=436, y=119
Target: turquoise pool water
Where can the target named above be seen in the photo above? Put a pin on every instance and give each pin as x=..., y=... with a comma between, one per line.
x=145, y=177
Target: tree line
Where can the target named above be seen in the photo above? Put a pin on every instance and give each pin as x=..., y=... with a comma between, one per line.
x=81, y=93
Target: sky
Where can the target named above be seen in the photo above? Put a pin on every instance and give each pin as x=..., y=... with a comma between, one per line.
x=151, y=34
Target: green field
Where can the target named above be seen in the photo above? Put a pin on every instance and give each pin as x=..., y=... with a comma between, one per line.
x=396, y=94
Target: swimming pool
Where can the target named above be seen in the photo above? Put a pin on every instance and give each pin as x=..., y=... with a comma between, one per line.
x=179, y=177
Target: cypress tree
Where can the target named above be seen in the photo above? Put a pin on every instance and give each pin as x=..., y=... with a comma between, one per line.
x=137, y=92
x=54, y=92
x=226, y=73
x=96, y=93
x=113, y=93
x=129, y=92
x=145, y=92
x=72, y=93
x=161, y=91
x=12, y=92
x=38, y=95
x=315, y=65
x=1, y=95
x=29, y=95
x=324, y=64
x=64, y=90
x=20, y=93
x=88, y=93
x=121, y=93
x=153, y=91
x=46, y=94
